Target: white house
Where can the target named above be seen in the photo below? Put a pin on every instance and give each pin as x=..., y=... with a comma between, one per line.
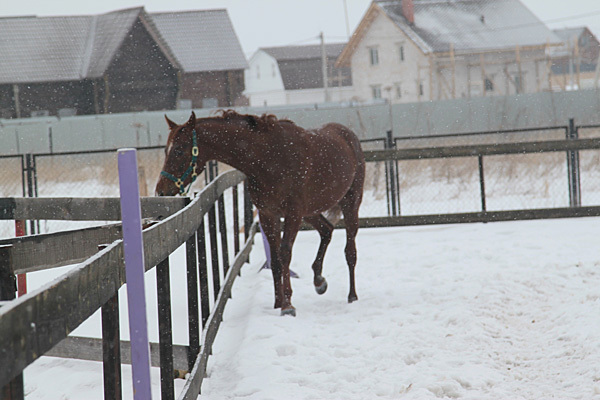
x=294, y=75
x=415, y=50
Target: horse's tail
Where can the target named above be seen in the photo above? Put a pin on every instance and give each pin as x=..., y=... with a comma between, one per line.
x=334, y=214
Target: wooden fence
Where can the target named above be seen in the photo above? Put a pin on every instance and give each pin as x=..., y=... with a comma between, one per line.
x=39, y=323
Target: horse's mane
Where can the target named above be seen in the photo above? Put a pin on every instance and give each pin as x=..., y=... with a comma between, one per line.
x=264, y=122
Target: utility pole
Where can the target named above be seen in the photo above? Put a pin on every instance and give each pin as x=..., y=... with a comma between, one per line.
x=324, y=68
x=347, y=23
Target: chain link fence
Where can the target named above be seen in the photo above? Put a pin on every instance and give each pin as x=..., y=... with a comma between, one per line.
x=422, y=186
x=452, y=185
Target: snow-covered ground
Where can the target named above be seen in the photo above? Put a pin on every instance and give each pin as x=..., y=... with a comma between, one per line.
x=481, y=311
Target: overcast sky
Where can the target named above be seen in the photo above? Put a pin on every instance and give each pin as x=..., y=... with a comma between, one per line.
x=264, y=23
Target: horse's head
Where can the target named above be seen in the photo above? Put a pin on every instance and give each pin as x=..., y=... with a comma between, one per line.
x=183, y=161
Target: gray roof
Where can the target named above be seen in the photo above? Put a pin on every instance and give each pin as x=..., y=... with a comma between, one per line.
x=48, y=49
x=31, y=54
x=201, y=40
x=285, y=53
x=301, y=67
x=105, y=35
x=471, y=25
x=567, y=34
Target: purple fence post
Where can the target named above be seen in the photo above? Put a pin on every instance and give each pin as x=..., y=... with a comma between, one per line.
x=134, y=271
x=267, y=247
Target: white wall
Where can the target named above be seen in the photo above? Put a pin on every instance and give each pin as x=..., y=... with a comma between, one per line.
x=467, y=81
x=391, y=71
x=312, y=96
x=264, y=85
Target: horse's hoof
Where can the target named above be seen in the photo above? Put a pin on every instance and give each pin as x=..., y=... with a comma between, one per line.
x=288, y=311
x=322, y=288
x=352, y=298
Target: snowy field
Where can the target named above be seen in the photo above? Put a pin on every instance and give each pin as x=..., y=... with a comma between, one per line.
x=481, y=311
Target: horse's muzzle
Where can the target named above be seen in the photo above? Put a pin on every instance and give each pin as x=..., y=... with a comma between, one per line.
x=164, y=187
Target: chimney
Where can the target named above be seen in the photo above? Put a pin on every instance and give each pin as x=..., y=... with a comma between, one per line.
x=408, y=10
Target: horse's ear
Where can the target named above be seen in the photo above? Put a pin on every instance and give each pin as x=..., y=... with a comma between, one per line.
x=252, y=121
x=170, y=123
x=192, y=120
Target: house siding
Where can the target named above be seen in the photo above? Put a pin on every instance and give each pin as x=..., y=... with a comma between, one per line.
x=140, y=78
x=294, y=81
x=436, y=76
x=386, y=37
x=213, y=88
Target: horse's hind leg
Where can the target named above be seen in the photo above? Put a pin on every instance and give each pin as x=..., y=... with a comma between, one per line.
x=291, y=226
x=325, y=229
x=350, y=204
x=272, y=229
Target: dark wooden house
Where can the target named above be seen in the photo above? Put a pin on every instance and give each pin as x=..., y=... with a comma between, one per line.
x=123, y=61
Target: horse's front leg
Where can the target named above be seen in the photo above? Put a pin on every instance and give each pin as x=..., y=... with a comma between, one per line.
x=271, y=226
x=290, y=231
x=325, y=229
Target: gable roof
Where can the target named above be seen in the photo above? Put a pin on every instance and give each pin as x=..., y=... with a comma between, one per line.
x=285, y=53
x=467, y=25
x=201, y=40
x=301, y=67
x=567, y=34
x=46, y=49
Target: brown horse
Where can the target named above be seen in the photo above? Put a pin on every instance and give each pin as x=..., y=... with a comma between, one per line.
x=292, y=173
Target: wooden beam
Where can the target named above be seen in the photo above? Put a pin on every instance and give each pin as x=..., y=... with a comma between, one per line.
x=431, y=76
x=483, y=150
x=487, y=216
x=39, y=252
x=84, y=209
x=453, y=63
x=90, y=349
x=520, y=87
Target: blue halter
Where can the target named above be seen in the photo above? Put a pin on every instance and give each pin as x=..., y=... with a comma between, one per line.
x=191, y=170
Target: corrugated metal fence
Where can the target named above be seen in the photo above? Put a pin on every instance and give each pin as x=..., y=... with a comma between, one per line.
x=101, y=132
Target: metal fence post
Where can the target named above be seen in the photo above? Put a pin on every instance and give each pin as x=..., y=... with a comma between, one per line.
x=390, y=173
x=31, y=178
x=573, y=167
x=111, y=347
x=165, y=329
x=482, y=183
x=8, y=286
x=193, y=304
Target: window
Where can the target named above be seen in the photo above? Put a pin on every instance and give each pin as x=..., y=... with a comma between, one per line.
x=488, y=85
x=258, y=72
x=374, y=55
x=421, y=89
x=398, y=90
x=401, y=52
x=376, y=91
